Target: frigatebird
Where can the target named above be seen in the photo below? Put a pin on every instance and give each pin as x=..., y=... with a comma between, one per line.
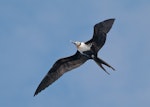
x=85, y=51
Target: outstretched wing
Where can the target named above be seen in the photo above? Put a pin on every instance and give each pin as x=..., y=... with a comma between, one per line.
x=59, y=68
x=100, y=31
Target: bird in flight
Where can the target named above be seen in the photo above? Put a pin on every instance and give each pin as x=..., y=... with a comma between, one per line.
x=85, y=51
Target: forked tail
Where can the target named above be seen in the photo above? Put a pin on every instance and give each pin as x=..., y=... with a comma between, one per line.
x=100, y=62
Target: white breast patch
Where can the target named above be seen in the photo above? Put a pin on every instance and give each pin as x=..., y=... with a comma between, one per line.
x=83, y=47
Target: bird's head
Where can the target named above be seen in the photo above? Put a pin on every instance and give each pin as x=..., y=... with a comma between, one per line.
x=77, y=43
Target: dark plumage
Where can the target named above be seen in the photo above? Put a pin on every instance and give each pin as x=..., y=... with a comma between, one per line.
x=81, y=56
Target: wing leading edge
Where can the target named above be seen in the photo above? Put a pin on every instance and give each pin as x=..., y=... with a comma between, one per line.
x=100, y=32
x=59, y=68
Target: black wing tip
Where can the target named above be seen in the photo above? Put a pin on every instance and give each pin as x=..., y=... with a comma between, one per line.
x=108, y=24
x=111, y=20
x=104, y=26
x=36, y=92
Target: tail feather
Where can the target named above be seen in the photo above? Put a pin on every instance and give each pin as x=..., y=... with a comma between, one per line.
x=100, y=62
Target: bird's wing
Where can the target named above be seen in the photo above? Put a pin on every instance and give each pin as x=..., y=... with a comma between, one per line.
x=59, y=68
x=100, y=31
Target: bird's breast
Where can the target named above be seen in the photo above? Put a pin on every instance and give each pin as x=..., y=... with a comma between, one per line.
x=83, y=47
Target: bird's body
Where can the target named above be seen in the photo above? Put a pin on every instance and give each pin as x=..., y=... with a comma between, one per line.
x=85, y=51
x=82, y=47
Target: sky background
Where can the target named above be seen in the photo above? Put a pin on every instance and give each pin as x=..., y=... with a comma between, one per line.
x=35, y=33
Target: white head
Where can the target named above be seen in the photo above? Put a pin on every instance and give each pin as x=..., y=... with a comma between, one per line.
x=81, y=46
x=77, y=43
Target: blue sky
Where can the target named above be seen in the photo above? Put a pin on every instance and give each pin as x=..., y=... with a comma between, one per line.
x=35, y=33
